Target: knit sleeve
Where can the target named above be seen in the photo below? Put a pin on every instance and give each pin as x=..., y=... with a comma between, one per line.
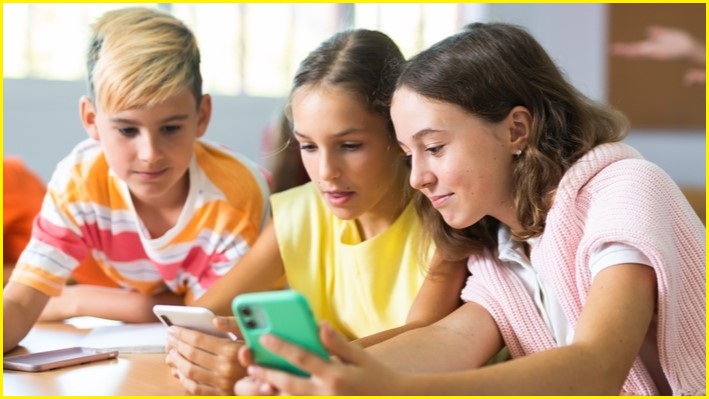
x=634, y=202
x=497, y=289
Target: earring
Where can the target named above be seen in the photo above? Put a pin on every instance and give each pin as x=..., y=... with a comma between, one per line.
x=518, y=152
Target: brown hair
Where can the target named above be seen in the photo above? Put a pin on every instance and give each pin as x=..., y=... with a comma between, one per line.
x=365, y=62
x=487, y=70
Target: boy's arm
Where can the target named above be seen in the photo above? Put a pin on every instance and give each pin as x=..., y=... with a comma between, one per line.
x=107, y=303
x=438, y=296
x=7, y=269
x=22, y=305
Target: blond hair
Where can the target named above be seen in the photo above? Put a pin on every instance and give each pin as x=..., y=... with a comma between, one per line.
x=141, y=57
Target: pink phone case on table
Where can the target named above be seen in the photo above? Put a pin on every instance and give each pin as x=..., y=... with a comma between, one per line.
x=41, y=361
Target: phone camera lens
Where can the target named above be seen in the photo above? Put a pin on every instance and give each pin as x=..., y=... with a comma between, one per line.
x=251, y=324
x=166, y=320
x=246, y=311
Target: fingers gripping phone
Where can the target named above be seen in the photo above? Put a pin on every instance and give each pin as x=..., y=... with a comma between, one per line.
x=283, y=313
x=194, y=317
x=54, y=359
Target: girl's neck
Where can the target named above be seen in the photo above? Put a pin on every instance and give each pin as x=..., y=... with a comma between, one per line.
x=381, y=217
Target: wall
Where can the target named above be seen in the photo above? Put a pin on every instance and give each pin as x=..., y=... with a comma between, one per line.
x=41, y=120
x=575, y=37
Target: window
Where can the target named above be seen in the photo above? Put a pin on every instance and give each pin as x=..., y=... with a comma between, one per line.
x=247, y=48
x=48, y=41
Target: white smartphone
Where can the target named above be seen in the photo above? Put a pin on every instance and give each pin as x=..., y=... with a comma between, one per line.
x=194, y=317
x=41, y=361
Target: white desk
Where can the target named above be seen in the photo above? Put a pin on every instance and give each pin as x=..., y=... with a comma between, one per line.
x=128, y=375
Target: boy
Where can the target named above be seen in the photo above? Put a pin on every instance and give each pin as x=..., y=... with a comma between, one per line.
x=163, y=213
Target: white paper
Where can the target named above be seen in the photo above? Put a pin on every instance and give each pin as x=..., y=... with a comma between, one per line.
x=128, y=338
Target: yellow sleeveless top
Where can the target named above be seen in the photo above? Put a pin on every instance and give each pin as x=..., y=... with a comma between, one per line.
x=359, y=287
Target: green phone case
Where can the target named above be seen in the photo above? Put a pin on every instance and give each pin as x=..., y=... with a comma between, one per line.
x=283, y=313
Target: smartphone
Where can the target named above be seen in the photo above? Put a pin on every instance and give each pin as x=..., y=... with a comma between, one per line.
x=41, y=361
x=194, y=317
x=284, y=313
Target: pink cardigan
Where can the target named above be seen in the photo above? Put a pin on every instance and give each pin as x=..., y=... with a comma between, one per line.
x=611, y=195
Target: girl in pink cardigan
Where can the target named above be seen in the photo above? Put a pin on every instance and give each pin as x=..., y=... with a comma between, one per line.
x=585, y=260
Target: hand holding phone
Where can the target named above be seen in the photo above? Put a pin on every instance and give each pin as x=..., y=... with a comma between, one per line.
x=41, y=361
x=194, y=317
x=283, y=313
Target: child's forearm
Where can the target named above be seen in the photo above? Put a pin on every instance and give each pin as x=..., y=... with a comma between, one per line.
x=21, y=308
x=108, y=303
x=17, y=328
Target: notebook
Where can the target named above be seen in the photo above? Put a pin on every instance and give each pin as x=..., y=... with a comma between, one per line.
x=128, y=338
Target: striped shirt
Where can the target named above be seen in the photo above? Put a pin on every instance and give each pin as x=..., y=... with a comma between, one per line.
x=88, y=211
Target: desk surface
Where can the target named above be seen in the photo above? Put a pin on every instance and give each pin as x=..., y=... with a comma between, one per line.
x=128, y=375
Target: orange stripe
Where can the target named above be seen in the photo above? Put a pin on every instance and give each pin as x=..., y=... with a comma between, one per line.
x=223, y=219
x=38, y=278
x=222, y=170
x=91, y=182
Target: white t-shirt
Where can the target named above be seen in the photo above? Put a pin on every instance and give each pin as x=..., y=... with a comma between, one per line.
x=513, y=255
